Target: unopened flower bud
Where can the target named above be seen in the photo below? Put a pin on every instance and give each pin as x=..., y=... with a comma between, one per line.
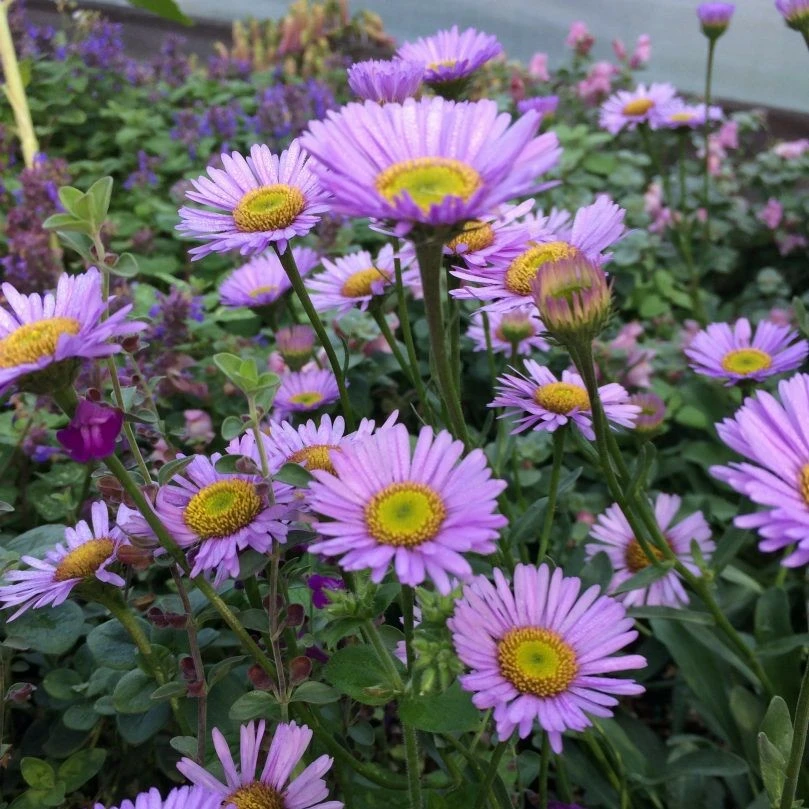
x=295, y=344
x=299, y=670
x=715, y=18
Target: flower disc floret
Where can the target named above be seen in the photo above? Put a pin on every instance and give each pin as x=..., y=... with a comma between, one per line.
x=562, y=397
x=428, y=181
x=271, y=207
x=536, y=661
x=32, y=342
x=746, y=361
x=256, y=796
x=362, y=282
x=524, y=270
x=317, y=456
x=405, y=514
x=222, y=508
x=84, y=561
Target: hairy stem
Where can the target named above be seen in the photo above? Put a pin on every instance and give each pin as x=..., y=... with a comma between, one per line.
x=558, y=453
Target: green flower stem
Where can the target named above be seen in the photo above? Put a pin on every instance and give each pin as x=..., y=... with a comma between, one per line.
x=371, y=632
x=408, y=600
x=706, y=178
x=800, y=728
x=487, y=332
x=558, y=453
x=15, y=89
x=491, y=774
x=291, y=268
x=429, y=255
x=544, y=768
x=390, y=339
x=283, y=691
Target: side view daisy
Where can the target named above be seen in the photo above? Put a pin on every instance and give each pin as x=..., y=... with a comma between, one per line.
x=419, y=510
x=257, y=201
x=616, y=539
x=546, y=106
x=540, y=650
x=771, y=435
x=520, y=328
x=179, y=798
x=305, y=391
x=627, y=109
x=385, y=80
x=44, y=338
x=679, y=115
x=540, y=401
x=735, y=353
x=262, y=280
x=86, y=555
x=247, y=787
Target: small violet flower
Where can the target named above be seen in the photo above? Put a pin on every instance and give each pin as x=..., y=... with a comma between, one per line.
x=92, y=431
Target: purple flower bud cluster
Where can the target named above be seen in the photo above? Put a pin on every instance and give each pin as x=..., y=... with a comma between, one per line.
x=145, y=176
x=101, y=45
x=284, y=110
x=170, y=316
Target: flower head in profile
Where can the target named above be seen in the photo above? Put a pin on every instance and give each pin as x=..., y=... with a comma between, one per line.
x=541, y=650
x=305, y=391
x=44, y=338
x=680, y=115
x=179, y=798
x=715, y=18
x=450, y=55
x=271, y=787
x=92, y=431
x=546, y=106
x=419, y=510
x=520, y=328
x=627, y=109
x=260, y=200
x=295, y=344
x=86, y=555
x=616, y=539
x=795, y=13
x=771, y=435
x=405, y=163
x=508, y=284
x=652, y=411
x=385, y=80
x=735, y=353
x=540, y=401
x=262, y=280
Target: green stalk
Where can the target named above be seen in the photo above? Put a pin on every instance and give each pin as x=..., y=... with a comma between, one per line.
x=544, y=768
x=558, y=453
x=800, y=728
x=491, y=774
x=487, y=331
x=408, y=599
x=390, y=339
x=429, y=255
x=291, y=268
x=706, y=179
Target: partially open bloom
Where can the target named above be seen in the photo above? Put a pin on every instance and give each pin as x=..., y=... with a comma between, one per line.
x=597, y=84
x=86, y=556
x=179, y=798
x=451, y=55
x=406, y=163
x=540, y=401
x=795, y=13
x=520, y=328
x=385, y=80
x=680, y=115
x=420, y=510
x=538, y=67
x=247, y=787
x=772, y=436
x=305, y=391
x=616, y=539
x=508, y=283
x=545, y=105
x=579, y=38
x=296, y=344
x=573, y=298
x=643, y=105
x=540, y=649
x=734, y=353
x=715, y=18
x=92, y=431
x=257, y=201
x=642, y=53
x=263, y=280
x=44, y=338
x=652, y=411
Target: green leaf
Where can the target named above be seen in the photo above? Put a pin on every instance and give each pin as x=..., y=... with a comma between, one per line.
x=51, y=631
x=133, y=693
x=232, y=427
x=777, y=726
x=706, y=762
x=773, y=768
x=173, y=689
x=77, y=242
x=80, y=716
x=167, y=9
x=61, y=684
x=111, y=645
x=67, y=222
x=315, y=693
x=221, y=669
x=172, y=468
x=98, y=196
x=356, y=671
x=644, y=578
x=185, y=745
x=294, y=474
x=38, y=773
x=69, y=196
x=253, y=705
x=450, y=712
x=138, y=728
x=671, y=614
x=81, y=767
x=126, y=266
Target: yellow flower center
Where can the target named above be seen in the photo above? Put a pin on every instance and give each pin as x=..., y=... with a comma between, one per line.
x=682, y=117
x=514, y=330
x=744, y=361
x=32, y=341
x=536, y=661
x=562, y=397
x=428, y=181
x=271, y=207
x=359, y=284
x=640, y=106
x=222, y=508
x=255, y=796
x=270, y=289
x=405, y=514
x=84, y=561
x=318, y=456
x=442, y=63
x=476, y=235
x=803, y=483
x=523, y=270
x=636, y=559
x=307, y=398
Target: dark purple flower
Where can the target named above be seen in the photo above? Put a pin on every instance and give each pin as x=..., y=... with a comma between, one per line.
x=145, y=175
x=170, y=316
x=92, y=431
x=319, y=585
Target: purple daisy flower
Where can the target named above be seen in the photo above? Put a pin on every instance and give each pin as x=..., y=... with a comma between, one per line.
x=617, y=540
x=680, y=115
x=734, y=353
x=419, y=509
x=354, y=280
x=539, y=401
x=44, y=337
x=262, y=280
x=715, y=18
x=407, y=162
x=544, y=105
x=245, y=787
x=508, y=284
x=652, y=411
x=772, y=435
x=450, y=55
x=179, y=798
x=385, y=80
x=305, y=391
x=261, y=200
x=540, y=650
x=795, y=13
x=521, y=327
x=643, y=105
x=86, y=555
